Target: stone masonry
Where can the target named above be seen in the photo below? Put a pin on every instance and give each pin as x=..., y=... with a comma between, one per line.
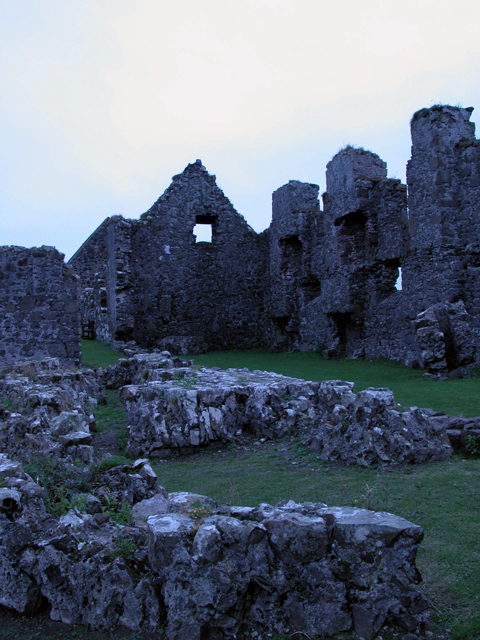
x=105, y=545
x=321, y=279
x=39, y=315
x=175, y=407
x=209, y=295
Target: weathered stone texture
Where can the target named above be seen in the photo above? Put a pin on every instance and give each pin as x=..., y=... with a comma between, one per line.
x=39, y=313
x=446, y=337
x=361, y=238
x=208, y=294
x=182, y=408
x=288, y=568
x=368, y=429
x=50, y=410
x=183, y=562
x=91, y=258
x=119, y=282
x=160, y=287
x=443, y=178
x=443, y=145
x=199, y=569
x=293, y=281
x=187, y=408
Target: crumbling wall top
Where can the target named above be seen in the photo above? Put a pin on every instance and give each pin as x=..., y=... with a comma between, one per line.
x=441, y=126
x=293, y=205
x=295, y=197
x=351, y=164
x=343, y=171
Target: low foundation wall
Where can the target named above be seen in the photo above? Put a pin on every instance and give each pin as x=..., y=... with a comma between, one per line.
x=201, y=571
x=178, y=408
x=131, y=555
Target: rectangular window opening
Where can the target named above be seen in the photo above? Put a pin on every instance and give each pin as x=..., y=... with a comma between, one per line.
x=203, y=232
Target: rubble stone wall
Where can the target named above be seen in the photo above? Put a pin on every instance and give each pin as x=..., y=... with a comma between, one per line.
x=443, y=178
x=361, y=236
x=39, y=313
x=180, y=561
x=203, y=571
x=119, y=318
x=206, y=295
x=91, y=258
x=293, y=280
x=174, y=406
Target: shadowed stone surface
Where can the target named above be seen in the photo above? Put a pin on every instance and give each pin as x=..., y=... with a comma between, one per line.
x=283, y=569
x=39, y=313
x=316, y=279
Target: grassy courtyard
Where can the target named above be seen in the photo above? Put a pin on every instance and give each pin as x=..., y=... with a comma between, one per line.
x=441, y=497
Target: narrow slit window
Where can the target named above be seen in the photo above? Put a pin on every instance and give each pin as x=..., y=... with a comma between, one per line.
x=398, y=283
x=203, y=232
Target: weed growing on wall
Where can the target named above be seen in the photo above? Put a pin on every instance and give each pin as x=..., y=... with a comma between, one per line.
x=123, y=547
x=187, y=382
x=120, y=512
x=61, y=482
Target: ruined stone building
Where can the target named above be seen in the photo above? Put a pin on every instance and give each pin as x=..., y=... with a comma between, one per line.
x=319, y=278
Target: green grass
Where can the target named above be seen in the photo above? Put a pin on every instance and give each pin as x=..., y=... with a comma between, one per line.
x=410, y=389
x=110, y=414
x=112, y=417
x=97, y=354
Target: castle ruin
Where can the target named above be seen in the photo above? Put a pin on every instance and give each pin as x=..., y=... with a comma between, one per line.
x=320, y=278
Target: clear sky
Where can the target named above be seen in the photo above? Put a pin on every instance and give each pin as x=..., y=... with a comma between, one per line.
x=102, y=101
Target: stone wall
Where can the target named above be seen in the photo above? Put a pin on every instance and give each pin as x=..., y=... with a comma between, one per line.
x=443, y=177
x=444, y=189
x=315, y=279
x=293, y=279
x=204, y=295
x=173, y=407
x=361, y=237
x=91, y=258
x=160, y=287
x=119, y=281
x=38, y=305
x=199, y=570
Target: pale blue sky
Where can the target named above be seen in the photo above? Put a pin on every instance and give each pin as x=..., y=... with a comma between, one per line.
x=103, y=101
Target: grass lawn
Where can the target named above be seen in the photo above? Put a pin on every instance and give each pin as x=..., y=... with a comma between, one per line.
x=441, y=497
x=97, y=354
